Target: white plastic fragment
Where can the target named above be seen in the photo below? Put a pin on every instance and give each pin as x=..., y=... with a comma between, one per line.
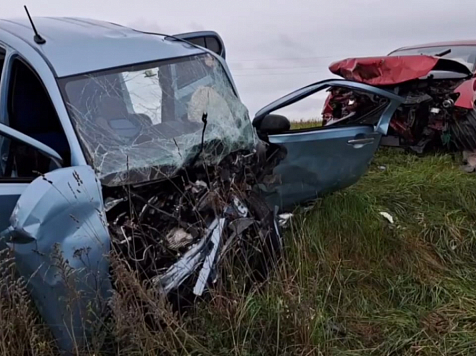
x=387, y=216
x=209, y=260
x=284, y=219
x=241, y=208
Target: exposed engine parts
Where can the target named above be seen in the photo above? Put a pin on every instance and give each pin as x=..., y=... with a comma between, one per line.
x=448, y=103
x=427, y=118
x=180, y=229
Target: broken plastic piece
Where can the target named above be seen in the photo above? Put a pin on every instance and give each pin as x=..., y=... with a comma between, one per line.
x=387, y=216
x=284, y=219
x=178, y=238
x=238, y=226
x=111, y=203
x=240, y=207
x=185, y=266
x=470, y=159
x=209, y=260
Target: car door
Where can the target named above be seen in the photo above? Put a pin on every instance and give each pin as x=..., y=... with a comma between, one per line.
x=324, y=159
x=9, y=192
x=13, y=185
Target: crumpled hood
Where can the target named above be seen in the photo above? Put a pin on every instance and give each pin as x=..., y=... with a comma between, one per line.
x=390, y=70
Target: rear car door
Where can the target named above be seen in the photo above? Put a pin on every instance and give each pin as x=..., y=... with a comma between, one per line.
x=320, y=160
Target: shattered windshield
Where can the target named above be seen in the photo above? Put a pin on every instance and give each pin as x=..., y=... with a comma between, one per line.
x=145, y=122
x=463, y=54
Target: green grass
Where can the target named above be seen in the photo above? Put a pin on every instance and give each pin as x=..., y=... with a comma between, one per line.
x=350, y=283
x=354, y=284
x=305, y=124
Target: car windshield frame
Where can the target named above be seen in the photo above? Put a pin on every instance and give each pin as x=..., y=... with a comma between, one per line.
x=194, y=95
x=433, y=50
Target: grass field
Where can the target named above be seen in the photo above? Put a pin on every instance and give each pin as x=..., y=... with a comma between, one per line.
x=354, y=284
x=351, y=283
x=305, y=124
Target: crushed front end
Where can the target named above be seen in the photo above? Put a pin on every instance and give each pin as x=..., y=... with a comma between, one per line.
x=175, y=232
x=435, y=114
x=168, y=193
x=176, y=153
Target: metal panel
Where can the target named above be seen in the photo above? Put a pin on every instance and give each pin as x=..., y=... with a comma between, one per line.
x=60, y=241
x=320, y=162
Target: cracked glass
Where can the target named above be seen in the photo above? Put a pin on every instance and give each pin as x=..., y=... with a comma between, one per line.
x=145, y=122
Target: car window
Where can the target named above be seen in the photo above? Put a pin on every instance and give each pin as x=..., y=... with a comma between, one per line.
x=31, y=111
x=20, y=162
x=464, y=54
x=2, y=65
x=145, y=93
x=187, y=74
x=334, y=106
x=2, y=60
x=145, y=120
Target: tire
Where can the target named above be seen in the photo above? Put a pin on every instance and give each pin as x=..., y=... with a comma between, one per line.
x=463, y=132
x=265, y=249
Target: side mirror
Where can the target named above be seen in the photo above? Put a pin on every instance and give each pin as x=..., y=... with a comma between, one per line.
x=207, y=39
x=13, y=134
x=272, y=124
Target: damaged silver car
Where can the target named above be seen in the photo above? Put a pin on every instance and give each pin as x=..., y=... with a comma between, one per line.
x=118, y=140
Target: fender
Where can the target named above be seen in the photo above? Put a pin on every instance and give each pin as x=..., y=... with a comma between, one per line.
x=467, y=94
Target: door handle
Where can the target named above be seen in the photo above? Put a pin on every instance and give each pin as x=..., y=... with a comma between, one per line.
x=361, y=141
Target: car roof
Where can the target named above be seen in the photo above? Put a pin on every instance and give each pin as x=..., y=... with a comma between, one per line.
x=78, y=45
x=439, y=44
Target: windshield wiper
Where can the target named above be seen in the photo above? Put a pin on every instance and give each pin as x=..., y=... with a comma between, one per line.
x=204, y=120
x=444, y=53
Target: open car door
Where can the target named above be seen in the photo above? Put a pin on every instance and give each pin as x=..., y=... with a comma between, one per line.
x=323, y=159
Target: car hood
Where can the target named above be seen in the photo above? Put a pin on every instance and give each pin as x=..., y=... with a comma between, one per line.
x=391, y=70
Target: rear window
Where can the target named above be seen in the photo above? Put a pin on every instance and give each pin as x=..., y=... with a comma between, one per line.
x=464, y=54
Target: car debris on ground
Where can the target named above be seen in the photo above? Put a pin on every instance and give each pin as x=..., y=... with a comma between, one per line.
x=387, y=216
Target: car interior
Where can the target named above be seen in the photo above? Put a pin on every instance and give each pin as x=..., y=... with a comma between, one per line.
x=2, y=61
x=31, y=111
x=105, y=101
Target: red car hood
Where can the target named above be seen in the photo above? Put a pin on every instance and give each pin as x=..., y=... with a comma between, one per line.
x=395, y=69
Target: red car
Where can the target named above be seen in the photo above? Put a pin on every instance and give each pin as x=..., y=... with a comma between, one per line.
x=438, y=81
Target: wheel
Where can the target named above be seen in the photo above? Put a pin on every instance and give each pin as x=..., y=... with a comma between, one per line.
x=463, y=132
x=262, y=245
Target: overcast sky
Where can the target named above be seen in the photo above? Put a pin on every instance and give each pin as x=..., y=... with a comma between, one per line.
x=276, y=46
